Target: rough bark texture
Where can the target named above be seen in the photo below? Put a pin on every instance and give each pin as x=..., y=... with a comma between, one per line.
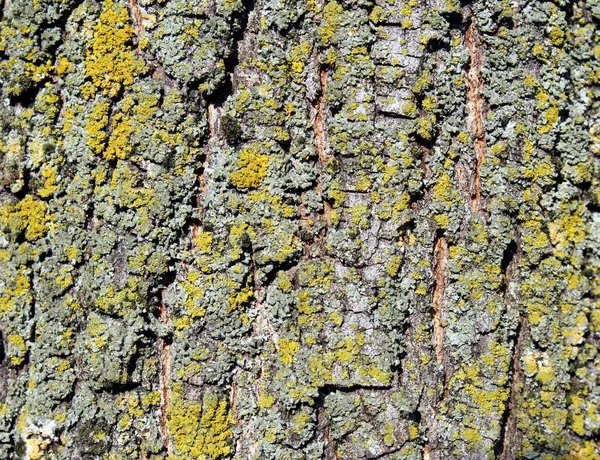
x=299, y=229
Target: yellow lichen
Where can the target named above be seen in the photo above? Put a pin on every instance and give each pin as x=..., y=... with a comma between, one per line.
x=377, y=15
x=200, y=430
x=300, y=421
x=119, y=145
x=379, y=375
x=63, y=66
x=95, y=127
x=443, y=189
x=331, y=13
x=151, y=399
x=552, y=116
x=471, y=435
x=204, y=241
x=545, y=374
x=252, y=169
x=287, y=349
x=557, y=36
x=240, y=298
x=18, y=349
x=393, y=265
x=265, y=400
x=50, y=186
x=110, y=61
x=297, y=66
x=29, y=215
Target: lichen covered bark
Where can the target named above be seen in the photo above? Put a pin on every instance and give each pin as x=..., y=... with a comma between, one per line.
x=299, y=229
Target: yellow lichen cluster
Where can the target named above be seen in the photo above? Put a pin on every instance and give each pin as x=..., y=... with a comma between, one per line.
x=287, y=349
x=95, y=127
x=200, y=430
x=239, y=299
x=111, y=62
x=29, y=215
x=203, y=241
x=252, y=169
x=119, y=145
x=114, y=300
x=331, y=12
x=18, y=349
x=18, y=286
x=265, y=400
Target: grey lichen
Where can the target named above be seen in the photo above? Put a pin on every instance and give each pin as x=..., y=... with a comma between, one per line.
x=299, y=230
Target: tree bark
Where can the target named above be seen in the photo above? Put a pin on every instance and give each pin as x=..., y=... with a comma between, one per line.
x=283, y=229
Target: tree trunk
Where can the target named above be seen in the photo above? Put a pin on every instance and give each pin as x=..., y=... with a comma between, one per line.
x=299, y=229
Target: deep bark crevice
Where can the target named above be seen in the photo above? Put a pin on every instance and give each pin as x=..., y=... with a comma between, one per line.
x=232, y=60
x=164, y=378
x=440, y=282
x=476, y=107
x=319, y=110
x=506, y=265
x=504, y=446
x=319, y=120
x=330, y=450
x=2, y=348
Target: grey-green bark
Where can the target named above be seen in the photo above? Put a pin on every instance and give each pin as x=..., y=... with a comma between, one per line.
x=290, y=229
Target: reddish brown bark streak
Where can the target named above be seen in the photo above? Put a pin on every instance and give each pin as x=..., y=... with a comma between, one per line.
x=440, y=275
x=165, y=372
x=476, y=108
x=137, y=17
x=319, y=126
x=234, y=402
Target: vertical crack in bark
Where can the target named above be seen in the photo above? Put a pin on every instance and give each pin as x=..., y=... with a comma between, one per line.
x=476, y=107
x=214, y=114
x=330, y=450
x=440, y=276
x=233, y=400
x=440, y=283
x=263, y=315
x=214, y=127
x=165, y=372
x=321, y=142
x=507, y=442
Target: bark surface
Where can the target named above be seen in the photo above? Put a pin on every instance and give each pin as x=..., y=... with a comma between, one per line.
x=284, y=229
